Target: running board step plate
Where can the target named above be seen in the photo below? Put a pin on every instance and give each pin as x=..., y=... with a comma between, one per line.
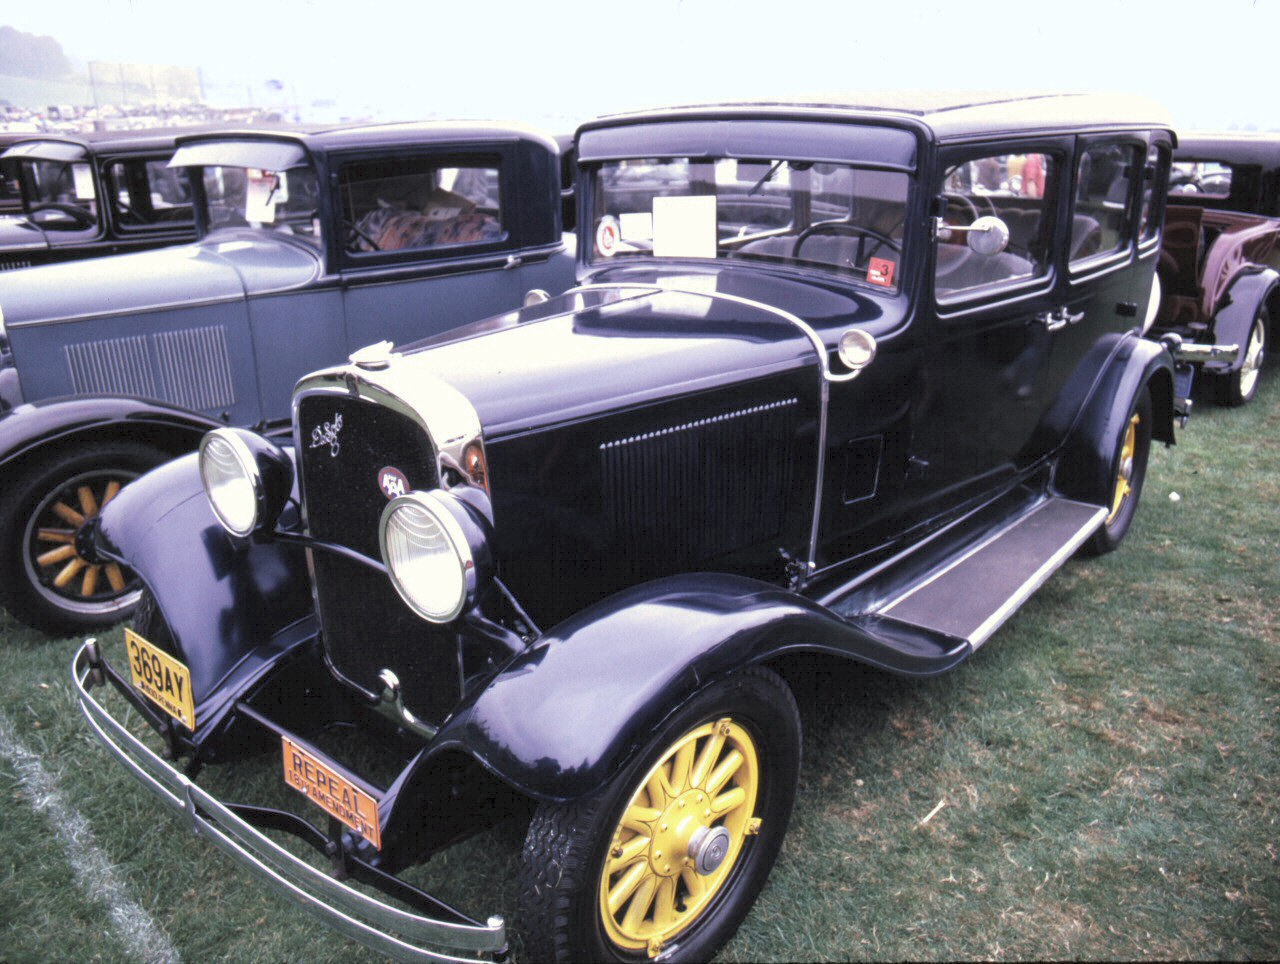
x=970, y=596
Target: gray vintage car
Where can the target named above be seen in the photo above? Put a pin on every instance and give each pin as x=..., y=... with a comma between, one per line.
x=313, y=244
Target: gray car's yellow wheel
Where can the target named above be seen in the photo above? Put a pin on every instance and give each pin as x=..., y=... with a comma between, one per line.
x=669, y=857
x=47, y=579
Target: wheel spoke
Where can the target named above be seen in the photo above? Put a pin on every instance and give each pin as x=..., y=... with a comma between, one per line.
x=68, y=514
x=88, y=505
x=664, y=904
x=728, y=801
x=112, y=490
x=54, y=556
x=625, y=887
x=659, y=788
x=90, y=581
x=69, y=572
x=722, y=774
x=640, y=818
x=640, y=904
x=706, y=759
x=631, y=851
x=115, y=577
x=694, y=883
x=56, y=535
x=682, y=766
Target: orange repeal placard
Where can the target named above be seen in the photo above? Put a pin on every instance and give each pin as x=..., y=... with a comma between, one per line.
x=331, y=792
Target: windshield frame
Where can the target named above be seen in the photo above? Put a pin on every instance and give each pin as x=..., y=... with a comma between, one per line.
x=760, y=177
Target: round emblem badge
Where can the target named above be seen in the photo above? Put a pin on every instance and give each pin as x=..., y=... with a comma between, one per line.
x=608, y=234
x=392, y=482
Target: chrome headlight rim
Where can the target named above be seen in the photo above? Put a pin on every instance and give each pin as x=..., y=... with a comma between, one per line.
x=248, y=465
x=436, y=504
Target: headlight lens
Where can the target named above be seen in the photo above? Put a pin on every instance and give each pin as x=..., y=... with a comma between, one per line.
x=427, y=556
x=231, y=481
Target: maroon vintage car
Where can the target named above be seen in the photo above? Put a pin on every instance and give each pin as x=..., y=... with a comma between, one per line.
x=1218, y=275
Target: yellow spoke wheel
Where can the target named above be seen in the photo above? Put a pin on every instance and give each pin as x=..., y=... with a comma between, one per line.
x=680, y=836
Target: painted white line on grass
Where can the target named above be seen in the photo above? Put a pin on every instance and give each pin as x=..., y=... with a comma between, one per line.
x=101, y=882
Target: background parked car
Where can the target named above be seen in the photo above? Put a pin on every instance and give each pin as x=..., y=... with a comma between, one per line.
x=848, y=380
x=1218, y=268
x=87, y=195
x=314, y=244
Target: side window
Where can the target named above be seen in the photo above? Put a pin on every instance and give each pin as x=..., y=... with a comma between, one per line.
x=401, y=204
x=1210, y=178
x=1011, y=187
x=144, y=193
x=1100, y=223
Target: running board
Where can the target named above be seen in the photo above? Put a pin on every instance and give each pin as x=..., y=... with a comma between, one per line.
x=970, y=595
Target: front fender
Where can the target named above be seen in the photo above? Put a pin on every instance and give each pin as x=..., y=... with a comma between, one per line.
x=222, y=598
x=569, y=712
x=1234, y=319
x=60, y=420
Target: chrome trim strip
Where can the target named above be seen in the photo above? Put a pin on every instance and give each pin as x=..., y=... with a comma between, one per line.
x=332, y=901
x=825, y=378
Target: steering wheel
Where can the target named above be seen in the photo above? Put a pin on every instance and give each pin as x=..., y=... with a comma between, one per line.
x=853, y=230
x=354, y=233
x=81, y=217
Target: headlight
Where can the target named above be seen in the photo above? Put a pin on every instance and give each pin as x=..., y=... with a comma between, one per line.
x=246, y=478
x=435, y=552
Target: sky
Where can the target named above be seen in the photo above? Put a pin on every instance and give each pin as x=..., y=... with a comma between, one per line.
x=557, y=62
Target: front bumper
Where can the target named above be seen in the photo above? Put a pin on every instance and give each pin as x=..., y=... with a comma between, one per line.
x=382, y=926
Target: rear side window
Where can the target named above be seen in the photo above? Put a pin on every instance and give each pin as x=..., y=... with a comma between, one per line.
x=1101, y=222
x=146, y=193
x=1147, y=224
x=400, y=204
x=1209, y=178
x=1011, y=187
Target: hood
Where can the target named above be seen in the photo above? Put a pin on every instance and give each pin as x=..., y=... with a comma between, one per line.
x=586, y=353
x=17, y=233
x=219, y=268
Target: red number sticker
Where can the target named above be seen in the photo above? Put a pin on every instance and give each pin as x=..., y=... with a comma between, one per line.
x=880, y=272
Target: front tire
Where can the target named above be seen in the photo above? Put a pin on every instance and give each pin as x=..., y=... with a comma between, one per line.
x=45, y=579
x=1128, y=471
x=669, y=857
x=1240, y=386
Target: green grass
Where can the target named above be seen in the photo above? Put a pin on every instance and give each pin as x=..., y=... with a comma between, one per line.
x=1108, y=767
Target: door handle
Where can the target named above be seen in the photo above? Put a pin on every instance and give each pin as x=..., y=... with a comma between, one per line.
x=1051, y=320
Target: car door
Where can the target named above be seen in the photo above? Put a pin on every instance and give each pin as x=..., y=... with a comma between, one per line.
x=1101, y=294
x=427, y=240
x=989, y=373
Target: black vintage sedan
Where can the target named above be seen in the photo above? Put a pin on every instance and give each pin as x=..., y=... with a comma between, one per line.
x=848, y=378
x=88, y=195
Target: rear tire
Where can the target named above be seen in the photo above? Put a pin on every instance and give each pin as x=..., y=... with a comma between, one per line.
x=1240, y=386
x=45, y=581
x=1128, y=471
x=577, y=855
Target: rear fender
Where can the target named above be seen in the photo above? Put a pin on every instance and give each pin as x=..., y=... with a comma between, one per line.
x=564, y=716
x=1234, y=320
x=222, y=598
x=1085, y=471
x=38, y=425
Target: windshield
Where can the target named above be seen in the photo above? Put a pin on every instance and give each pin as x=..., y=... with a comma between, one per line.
x=248, y=197
x=64, y=191
x=835, y=217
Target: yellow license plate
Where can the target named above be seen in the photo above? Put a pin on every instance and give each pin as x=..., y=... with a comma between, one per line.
x=331, y=792
x=161, y=678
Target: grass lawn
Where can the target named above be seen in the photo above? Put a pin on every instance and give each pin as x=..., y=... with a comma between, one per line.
x=1107, y=770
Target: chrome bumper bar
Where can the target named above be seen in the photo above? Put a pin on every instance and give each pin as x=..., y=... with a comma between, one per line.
x=1184, y=351
x=385, y=928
